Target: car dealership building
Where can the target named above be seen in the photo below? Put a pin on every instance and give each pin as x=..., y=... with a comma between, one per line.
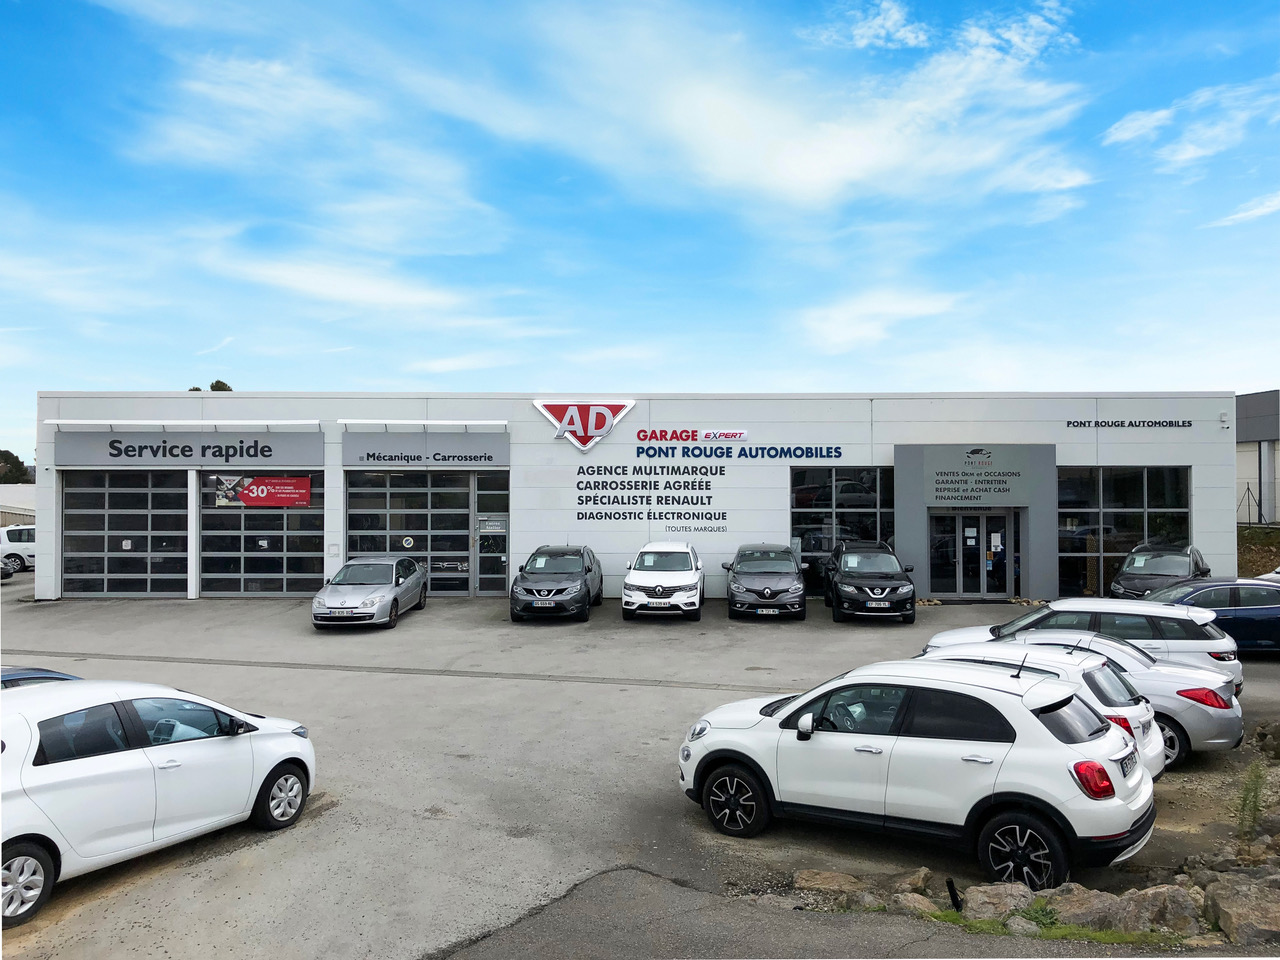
x=266, y=494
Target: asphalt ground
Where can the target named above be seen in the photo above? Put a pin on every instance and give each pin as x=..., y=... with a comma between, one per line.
x=486, y=788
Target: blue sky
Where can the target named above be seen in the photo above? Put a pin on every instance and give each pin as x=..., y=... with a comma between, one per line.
x=574, y=197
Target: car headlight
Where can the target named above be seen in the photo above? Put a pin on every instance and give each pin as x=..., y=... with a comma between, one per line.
x=1117, y=589
x=685, y=588
x=372, y=601
x=317, y=603
x=795, y=588
x=519, y=591
x=299, y=731
x=906, y=588
x=627, y=585
x=698, y=731
x=578, y=587
x=736, y=587
x=847, y=588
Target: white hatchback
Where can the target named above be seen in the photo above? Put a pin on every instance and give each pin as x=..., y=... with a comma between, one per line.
x=18, y=546
x=1015, y=767
x=97, y=772
x=664, y=578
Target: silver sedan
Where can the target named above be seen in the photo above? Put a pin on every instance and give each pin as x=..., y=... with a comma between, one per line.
x=370, y=590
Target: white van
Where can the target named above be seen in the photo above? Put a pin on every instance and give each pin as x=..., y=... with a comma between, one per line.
x=18, y=546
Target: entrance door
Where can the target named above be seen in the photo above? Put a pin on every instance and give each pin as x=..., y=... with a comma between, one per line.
x=969, y=554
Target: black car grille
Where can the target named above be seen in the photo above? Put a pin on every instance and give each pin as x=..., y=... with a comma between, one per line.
x=663, y=592
x=767, y=593
x=546, y=594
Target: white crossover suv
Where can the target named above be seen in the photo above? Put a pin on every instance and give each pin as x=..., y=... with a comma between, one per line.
x=1102, y=685
x=97, y=772
x=1016, y=767
x=664, y=578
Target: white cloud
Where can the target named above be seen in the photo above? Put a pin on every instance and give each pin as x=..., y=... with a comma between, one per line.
x=866, y=318
x=369, y=288
x=1138, y=125
x=73, y=283
x=1257, y=207
x=483, y=360
x=225, y=342
x=884, y=24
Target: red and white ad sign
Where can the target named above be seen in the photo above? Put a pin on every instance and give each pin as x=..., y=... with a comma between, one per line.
x=583, y=423
x=263, y=492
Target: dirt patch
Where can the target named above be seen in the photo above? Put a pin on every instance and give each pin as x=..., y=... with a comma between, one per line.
x=1257, y=550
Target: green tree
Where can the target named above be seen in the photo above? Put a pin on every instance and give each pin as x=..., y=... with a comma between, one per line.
x=12, y=469
x=220, y=385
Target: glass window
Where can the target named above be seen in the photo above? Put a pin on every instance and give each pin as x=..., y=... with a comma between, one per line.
x=364, y=574
x=1079, y=533
x=1168, y=487
x=452, y=481
x=1122, y=488
x=492, y=481
x=1159, y=564
x=1110, y=687
x=943, y=715
x=886, y=488
x=1126, y=626
x=83, y=521
x=170, y=721
x=554, y=563
x=1065, y=620
x=1258, y=596
x=1074, y=721
x=84, y=733
x=1176, y=628
x=661, y=561
x=865, y=710
x=854, y=562
x=855, y=526
x=807, y=484
x=1078, y=488
x=1173, y=527
x=1121, y=532
x=80, y=479
x=1078, y=576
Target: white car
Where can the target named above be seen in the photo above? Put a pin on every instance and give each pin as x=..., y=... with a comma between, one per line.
x=18, y=546
x=664, y=578
x=1015, y=767
x=1102, y=686
x=1273, y=576
x=1167, y=631
x=1195, y=706
x=97, y=772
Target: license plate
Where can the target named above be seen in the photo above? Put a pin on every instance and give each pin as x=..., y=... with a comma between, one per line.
x=878, y=603
x=767, y=611
x=659, y=603
x=544, y=603
x=1128, y=763
x=342, y=613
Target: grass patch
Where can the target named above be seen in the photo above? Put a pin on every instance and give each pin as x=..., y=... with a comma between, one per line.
x=970, y=926
x=1040, y=913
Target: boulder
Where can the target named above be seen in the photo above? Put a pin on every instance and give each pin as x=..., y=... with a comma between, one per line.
x=1202, y=878
x=995, y=901
x=914, y=881
x=1269, y=823
x=1022, y=927
x=824, y=881
x=1247, y=912
x=1166, y=906
x=863, y=901
x=911, y=904
x=1076, y=904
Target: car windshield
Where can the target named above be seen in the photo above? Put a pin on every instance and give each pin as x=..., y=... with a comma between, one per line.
x=1018, y=623
x=1171, y=594
x=764, y=561
x=1073, y=721
x=869, y=563
x=554, y=563
x=1111, y=687
x=1158, y=564
x=660, y=561
x=364, y=574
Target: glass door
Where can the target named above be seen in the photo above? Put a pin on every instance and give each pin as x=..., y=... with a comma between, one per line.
x=969, y=554
x=943, y=558
x=995, y=540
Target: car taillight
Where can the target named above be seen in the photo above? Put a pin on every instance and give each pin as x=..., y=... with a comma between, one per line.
x=1210, y=698
x=1094, y=779
x=1123, y=724
x=1224, y=657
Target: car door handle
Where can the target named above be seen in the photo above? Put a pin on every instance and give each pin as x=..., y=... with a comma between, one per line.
x=867, y=749
x=973, y=758
x=170, y=765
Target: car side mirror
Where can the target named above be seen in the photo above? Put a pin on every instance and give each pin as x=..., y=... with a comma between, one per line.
x=1204, y=571
x=326, y=580
x=727, y=565
x=590, y=568
x=909, y=567
x=804, y=566
x=699, y=565
x=804, y=727
x=399, y=581
x=520, y=569
x=628, y=564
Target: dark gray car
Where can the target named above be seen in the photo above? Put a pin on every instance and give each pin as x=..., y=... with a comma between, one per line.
x=1152, y=565
x=557, y=581
x=370, y=590
x=765, y=580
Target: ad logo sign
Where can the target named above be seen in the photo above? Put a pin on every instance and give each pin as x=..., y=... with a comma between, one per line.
x=584, y=423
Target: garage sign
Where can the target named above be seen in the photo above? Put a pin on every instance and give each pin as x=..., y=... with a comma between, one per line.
x=263, y=492
x=583, y=423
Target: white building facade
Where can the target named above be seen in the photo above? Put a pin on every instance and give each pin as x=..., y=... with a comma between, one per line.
x=266, y=494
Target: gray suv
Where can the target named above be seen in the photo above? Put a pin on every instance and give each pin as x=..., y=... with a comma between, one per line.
x=557, y=581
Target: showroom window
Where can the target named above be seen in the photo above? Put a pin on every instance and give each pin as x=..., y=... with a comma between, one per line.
x=838, y=503
x=1104, y=512
x=124, y=533
x=265, y=537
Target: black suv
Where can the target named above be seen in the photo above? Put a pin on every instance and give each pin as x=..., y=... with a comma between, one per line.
x=1155, y=564
x=766, y=579
x=557, y=582
x=862, y=578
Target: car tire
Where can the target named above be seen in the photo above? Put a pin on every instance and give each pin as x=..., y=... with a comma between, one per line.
x=393, y=616
x=804, y=611
x=16, y=563
x=422, y=599
x=1177, y=745
x=319, y=626
x=735, y=801
x=909, y=617
x=826, y=599
x=518, y=617
x=837, y=614
x=695, y=614
x=281, y=798
x=733, y=614
x=583, y=615
x=628, y=614
x=599, y=600
x=28, y=877
x=1021, y=847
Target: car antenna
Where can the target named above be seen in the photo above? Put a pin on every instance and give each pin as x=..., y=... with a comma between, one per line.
x=1022, y=664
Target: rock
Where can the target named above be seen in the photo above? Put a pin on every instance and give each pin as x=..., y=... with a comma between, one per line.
x=1197, y=897
x=1202, y=878
x=1182, y=880
x=1163, y=906
x=824, y=881
x=914, y=881
x=1022, y=927
x=1076, y=904
x=911, y=904
x=1248, y=913
x=1204, y=940
x=995, y=901
x=864, y=901
x=1269, y=823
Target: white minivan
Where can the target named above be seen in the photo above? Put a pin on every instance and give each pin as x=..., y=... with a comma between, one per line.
x=18, y=546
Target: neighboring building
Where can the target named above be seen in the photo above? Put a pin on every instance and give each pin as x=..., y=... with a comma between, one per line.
x=1257, y=457
x=17, y=503
x=988, y=495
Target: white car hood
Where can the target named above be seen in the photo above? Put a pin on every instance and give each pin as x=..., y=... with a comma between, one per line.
x=662, y=578
x=738, y=715
x=961, y=635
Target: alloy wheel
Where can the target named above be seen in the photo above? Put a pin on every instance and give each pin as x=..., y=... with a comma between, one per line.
x=21, y=883
x=286, y=797
x=732, y=802
x=1172, y=745
x=1020, y=855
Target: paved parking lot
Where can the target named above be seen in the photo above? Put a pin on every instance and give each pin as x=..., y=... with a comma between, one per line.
x=470, y=771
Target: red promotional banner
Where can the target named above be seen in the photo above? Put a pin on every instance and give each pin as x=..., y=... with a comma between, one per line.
x=264, y=492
